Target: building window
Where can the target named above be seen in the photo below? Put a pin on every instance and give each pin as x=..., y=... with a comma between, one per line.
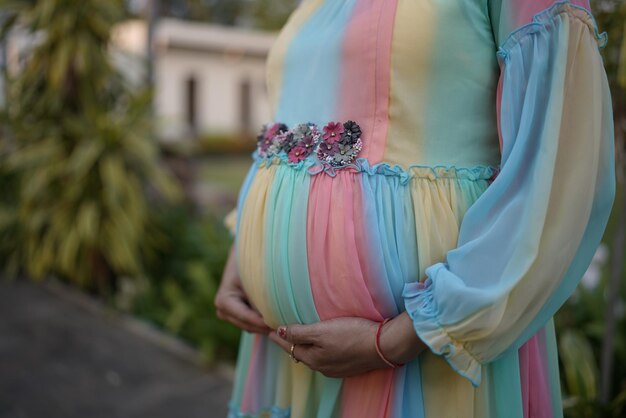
x=191, y=103
x=245, y=103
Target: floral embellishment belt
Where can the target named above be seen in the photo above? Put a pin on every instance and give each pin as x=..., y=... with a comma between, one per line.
x=337, y=144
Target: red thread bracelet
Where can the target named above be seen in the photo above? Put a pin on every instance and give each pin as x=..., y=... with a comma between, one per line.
x=379, y=351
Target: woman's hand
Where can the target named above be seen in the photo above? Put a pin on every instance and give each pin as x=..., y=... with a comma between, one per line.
x=344, y=347
x=338, y=347
x=232, y=303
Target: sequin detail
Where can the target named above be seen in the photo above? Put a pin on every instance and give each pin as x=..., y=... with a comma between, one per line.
x=337, y=144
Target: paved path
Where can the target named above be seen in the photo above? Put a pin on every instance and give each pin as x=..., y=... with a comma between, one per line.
x=60, y=359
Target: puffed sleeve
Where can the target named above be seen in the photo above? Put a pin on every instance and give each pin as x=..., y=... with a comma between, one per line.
x=526, y=241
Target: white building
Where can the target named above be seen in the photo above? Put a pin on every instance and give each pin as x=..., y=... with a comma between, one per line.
x=209, y=79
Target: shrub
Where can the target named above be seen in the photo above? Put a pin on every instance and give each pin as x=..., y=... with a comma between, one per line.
x=83, y=158
x=182, y=279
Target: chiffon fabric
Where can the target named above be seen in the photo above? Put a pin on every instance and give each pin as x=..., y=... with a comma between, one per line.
x=482, y=190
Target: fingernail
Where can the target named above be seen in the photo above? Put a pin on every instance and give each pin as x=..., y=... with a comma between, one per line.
x=282, y=332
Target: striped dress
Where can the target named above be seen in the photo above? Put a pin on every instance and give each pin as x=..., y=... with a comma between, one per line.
x=449, y=158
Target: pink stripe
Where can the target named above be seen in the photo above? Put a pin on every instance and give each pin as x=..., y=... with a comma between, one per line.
x=250, y=399
x=340, y=276
x=367, y=53
x=335, y=266
x=340, y=267
x=368, y=395
x=534, y=379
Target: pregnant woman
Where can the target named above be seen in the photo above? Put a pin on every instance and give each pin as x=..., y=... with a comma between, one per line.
x=434, y=181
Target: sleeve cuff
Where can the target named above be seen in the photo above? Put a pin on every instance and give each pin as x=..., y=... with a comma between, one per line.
x=230, y=221
x=422, y=308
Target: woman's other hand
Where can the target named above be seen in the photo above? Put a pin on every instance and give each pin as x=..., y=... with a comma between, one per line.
x=344, y=347
x=232, y=304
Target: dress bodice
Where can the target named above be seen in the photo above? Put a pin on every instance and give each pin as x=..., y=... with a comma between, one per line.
x=419, y=77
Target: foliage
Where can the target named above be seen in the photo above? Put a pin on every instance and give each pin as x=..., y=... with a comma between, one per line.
x=580, y=325
x=225, y=144
x=212, y=145
x=226, y=12
x=611, y=18
x=261, y=14
x=272, y=14
x=8, y=228
x=182, y=281
x=82, y=155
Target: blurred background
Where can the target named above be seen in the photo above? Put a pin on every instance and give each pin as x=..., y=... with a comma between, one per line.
x=126, y=128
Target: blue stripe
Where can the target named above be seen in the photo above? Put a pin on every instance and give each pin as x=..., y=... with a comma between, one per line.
x=312, y=66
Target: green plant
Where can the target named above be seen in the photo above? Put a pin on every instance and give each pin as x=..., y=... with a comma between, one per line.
x=83, y=158
x=581, y=379
x=8, y=228
x=263, y=14
x=182, y=279
x=225, y=144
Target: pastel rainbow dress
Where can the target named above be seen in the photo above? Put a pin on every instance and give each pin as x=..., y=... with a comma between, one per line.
x=450, y=158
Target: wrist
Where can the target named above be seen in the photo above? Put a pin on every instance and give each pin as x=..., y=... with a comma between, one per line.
x=379, y=351
x=376, y=361
x=398, y=341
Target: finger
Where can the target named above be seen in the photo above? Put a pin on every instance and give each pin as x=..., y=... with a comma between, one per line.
x=253, y=317
x=300, y=352
x=237, y=308
x=227, y=315
x=248, y=301
x=299, y=334
x=246, y=326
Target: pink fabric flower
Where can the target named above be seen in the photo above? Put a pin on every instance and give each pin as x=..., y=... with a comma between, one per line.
x=332, y=132
x=297, y=154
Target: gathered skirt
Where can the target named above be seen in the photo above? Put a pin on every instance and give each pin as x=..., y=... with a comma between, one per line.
x=318, y=244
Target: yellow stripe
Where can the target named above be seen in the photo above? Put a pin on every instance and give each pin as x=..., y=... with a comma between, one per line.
x=445, y=392
x=301, y=392
x=251, y=244
x=412, y=43
x=283, y=381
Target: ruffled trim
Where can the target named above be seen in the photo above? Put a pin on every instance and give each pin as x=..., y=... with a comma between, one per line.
x=422, y=308
x=475, y=173
x=362, y=165
x=545, y=19
x=271, y=412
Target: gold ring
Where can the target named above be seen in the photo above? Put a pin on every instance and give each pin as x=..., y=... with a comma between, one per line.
x=293, y=357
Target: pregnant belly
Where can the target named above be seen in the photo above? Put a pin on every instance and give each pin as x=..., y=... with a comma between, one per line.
x=315, y=247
